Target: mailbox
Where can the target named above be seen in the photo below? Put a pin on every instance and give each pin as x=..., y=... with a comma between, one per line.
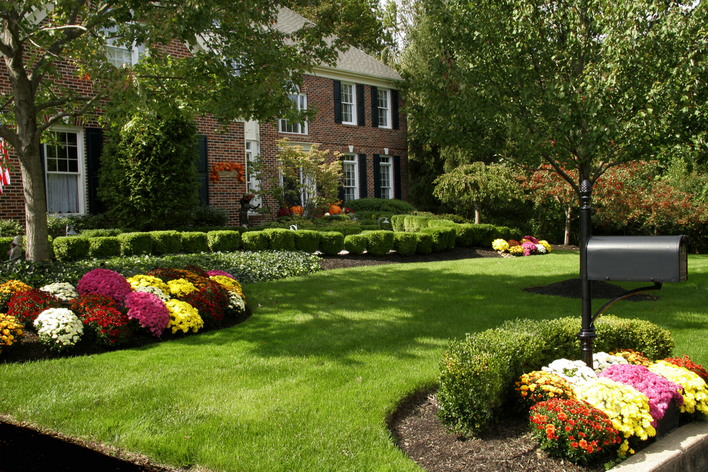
x=637, y=258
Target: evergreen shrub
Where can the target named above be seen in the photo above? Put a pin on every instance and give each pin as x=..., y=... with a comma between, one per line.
x=355, y=243
x=71, y=248
x=398, y=223
x=224, y=241
x=379, y=243
x=381, y=205
x=307, y=240
x=405, y=244
x=425, y=243
x=103, y=247
x=280, y=239
x=135, y=244
x=194, y=242
x=254, y=241
x=166, y=242
x=331, y=242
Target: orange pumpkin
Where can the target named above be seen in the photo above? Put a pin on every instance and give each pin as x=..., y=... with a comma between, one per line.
x=297, y=209
x=334, y=210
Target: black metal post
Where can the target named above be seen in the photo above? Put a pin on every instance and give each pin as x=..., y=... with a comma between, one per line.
x=587, y=332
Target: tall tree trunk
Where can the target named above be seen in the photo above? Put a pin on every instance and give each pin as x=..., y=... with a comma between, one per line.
x=35, y=204
x=566, y=236
x=477, y=212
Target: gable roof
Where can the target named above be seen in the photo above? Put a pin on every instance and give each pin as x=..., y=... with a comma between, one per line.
x=353, y=62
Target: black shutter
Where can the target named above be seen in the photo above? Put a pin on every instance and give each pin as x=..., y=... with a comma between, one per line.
x=394, y=108
x=341, y=183
x=374, y=107
x=360, y=105
x=397, y=177
x=377, y=176
x=203, y=170
x=362, y=176
x=94, y=147
x=337, y=101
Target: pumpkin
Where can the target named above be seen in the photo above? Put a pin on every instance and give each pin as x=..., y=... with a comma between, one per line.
x=297, y=210
x=334, y=210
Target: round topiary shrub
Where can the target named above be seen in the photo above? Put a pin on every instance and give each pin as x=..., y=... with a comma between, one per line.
x=405, y=244
x=355, y=243
x=379, y=243
x=331, y=242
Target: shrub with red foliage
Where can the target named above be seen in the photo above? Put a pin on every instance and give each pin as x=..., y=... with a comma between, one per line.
x=26, y=306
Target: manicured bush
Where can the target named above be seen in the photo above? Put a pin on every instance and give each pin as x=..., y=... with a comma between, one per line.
x=11, y=228
x=254, y=241
x=398, y=223
x=280, y=239
x=224, y=241
x=5, y=245
x=380, y=204
x=379, y=242
x=307, y=240
x=405, y=244
x=71, y=248
x=104, y=247
x=465, y=235
x=441, y=237
x=368, y=227
x=135, y=244
x=425, y=243
x=166, y=242
x=331, y=242
x=94, y=233
x=355, y=243
x=194, y=242
x=413, y=224
x=344, y=230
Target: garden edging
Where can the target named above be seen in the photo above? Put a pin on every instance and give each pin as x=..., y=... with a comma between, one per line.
x=684, y=450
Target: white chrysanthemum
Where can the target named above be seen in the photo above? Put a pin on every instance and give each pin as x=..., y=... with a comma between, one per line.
x=602, y=360
x=572, y=371
x=154, y=290
x=59, y=328
x=64, y=291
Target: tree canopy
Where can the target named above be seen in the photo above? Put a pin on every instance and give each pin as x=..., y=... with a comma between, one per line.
x=583, y=85
x=55, y=57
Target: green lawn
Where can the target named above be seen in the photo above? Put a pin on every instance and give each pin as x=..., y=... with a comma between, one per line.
x=307, y=382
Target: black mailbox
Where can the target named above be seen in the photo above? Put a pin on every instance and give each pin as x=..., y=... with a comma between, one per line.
x=637, y=258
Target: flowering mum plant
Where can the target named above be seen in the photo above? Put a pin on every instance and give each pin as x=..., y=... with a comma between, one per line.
x=105, y=282
x=183, y=317
x=627, y=408
x=26, y=306
x=540, y=386
x=540, y=249
x=58, y=328
x=137, y=281
x=155, y=291
x=603, y=360
x=573, y=429
x=11, y=330
x=229, y=284
x=109, y=325
x=149, y=311
x=236, y=304
x=513, y=242
x=8, y=289
x=659, y=390
x=173, y=274
x=64, y=291
x=209, y=310
x=545, y=244
x=687, y=363
x=694, y=391
x=180, y=288
x=517, y=250
x=216, y=273
x=632, y=356
x=500, y=245
x=530, y=239
x=572, y=371
x=528, y=246
x=83, y=304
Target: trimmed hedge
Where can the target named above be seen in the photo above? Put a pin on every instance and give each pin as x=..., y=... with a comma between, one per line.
x=71, y=248
x=355, y=243
x=443, y=237
x=331, y=242
x=104, y=247
x=380, y=204
x=195, y=242
x=255, y=241
x=405, y=244
x=398, y=223
x=425, y=243
x=478, y=373
x=307, y=240
x=135, y=244
x=379, y=243
x=224, y=241
x=280, y=239
x=166, y=242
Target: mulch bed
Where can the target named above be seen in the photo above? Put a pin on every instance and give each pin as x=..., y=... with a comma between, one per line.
x=415, y=427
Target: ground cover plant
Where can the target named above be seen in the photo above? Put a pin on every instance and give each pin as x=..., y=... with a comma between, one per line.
x=309, y=380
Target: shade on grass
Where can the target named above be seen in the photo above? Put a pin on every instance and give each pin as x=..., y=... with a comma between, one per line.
x=307, y=382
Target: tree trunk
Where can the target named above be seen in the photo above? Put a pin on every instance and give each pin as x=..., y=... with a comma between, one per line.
x=566, y=237
x=477, y=212
x=35, y=204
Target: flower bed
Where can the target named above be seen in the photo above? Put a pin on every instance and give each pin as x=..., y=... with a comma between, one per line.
x=528, y=246
x=588, y=414
x=107, y=309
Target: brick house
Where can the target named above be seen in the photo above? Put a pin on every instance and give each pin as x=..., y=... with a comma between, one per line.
x=359, y=113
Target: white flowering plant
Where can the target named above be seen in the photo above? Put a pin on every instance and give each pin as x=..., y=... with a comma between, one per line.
x=572, y=371
x=64, y=291
x=59, y=328
x=602, y=360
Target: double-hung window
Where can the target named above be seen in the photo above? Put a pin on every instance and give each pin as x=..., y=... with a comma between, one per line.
x=120, y=55
x=63, y=164
x=349, y=104
x=253, y=185
x=384, y=108
x=350, y=177
x=286, y=126
x=386, y=173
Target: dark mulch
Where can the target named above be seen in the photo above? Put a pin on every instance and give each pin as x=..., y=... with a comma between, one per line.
x=415, y=426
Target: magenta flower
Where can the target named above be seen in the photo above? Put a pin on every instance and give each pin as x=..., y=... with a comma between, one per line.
x=150, y=311
x=104, y=282
x=531, y=238
x=529, y=248
x=214, y=273
x=658, y=389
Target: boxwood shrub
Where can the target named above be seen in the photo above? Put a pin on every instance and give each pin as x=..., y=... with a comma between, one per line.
x=307, y=240
x=135, y=244
x=5, y=244
x=355, y=243
x=280, y=239
x=379, y=243
x=331, y=242
x=71, y=248
x=405, y=244
x=92, y=233
x=166, y=242
x=194, y=242
x=104, y=247
x=398, y=223
x=224, y=241
x=478, y=373
x=254, y=241
x=425, y=243
x=443, y=237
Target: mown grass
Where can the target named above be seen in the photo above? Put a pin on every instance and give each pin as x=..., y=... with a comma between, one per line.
x=308, y=381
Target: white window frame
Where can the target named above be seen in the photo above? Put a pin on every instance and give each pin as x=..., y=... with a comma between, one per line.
x=285, y=126
x=80, y=172
x=348, y=100
x=351, y=192
x=386, y=177
x=121, y=56
x=253, y=151
x=384, y=108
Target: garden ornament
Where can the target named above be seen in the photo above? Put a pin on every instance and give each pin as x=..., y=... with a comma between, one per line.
x=245, y=207
x=16, y=249
x=70, y=231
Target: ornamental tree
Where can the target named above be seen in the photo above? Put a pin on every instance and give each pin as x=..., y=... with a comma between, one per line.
x=241, y=66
